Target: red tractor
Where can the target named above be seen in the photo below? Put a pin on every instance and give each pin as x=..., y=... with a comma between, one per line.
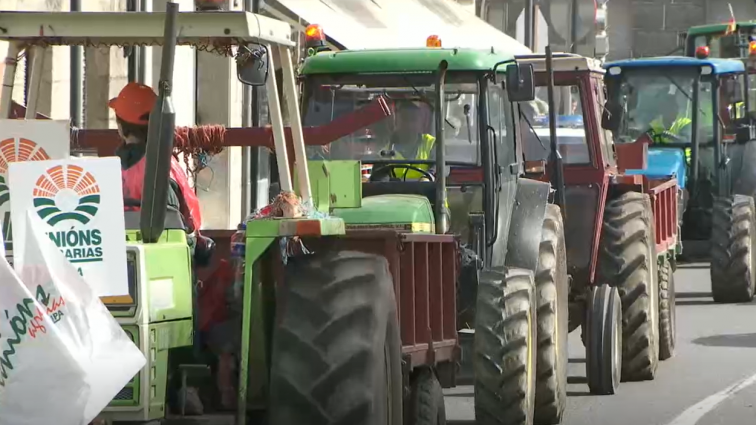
x=621, y=230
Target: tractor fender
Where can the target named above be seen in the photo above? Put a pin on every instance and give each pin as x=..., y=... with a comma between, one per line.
x=743, y=172
x=527, y=224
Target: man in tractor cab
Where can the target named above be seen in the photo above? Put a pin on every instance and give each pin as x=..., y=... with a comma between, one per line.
x=132, y=109
x=671, y=122
x=409, y=139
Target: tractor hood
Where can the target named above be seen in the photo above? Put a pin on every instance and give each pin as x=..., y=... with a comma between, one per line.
x=663, y=163
x=411, y=212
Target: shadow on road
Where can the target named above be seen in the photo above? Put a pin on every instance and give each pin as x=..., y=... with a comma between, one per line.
x=686, y=295
x=694, y=302
x=734, y=340
x=457, y=422
x=578, y=394
x=576, y=361
x=577, y=380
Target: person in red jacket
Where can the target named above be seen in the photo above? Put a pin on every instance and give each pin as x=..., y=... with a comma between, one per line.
x=132, y=109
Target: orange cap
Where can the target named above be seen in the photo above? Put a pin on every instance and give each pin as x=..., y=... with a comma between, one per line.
x=134, y=103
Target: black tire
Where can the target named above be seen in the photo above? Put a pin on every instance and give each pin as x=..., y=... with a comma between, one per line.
x=504, y=354
x=426, y=404
x=604, y=340
x=667, y=314
x=732, y=253
x=552, y=289
x=336, y=352
x=627, y=260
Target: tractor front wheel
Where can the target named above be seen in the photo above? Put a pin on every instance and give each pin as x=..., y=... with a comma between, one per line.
x=604, y=340
x=336, y=350
x=504, y=353
x=732, y=249
x=552, y=286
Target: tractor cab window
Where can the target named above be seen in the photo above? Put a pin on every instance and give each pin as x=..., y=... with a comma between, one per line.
x=720, y=45
x=731, y=102
x=570, y=131
x=658, y=102
x=409, y=133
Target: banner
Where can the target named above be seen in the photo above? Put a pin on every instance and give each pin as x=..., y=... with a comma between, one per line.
x=41, y=382
x=27, y=140
x=105, y=352
x=78, y=204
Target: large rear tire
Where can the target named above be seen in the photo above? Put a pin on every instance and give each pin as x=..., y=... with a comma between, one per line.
x=552, y=286
x=604, y=340
x=627, y=260
x=667, y=315
x=732, y=249
x=426, y=405
x=336, y=354
x=504, y=348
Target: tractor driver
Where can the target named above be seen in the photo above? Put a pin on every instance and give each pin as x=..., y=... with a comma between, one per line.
x=132, y=109
x=671, y=122
x=409, y=139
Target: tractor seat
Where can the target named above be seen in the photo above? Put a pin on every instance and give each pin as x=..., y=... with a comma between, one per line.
x=421, y=188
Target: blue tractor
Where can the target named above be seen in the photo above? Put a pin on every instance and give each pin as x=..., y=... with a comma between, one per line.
x=694, y=115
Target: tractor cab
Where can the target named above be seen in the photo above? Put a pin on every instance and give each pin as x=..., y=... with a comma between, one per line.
x=448, y=125
x=688, y=110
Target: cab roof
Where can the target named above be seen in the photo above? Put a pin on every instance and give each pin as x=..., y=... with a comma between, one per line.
x=391, y=61
x=717, y=28
x=562, y=62
x=718, y=66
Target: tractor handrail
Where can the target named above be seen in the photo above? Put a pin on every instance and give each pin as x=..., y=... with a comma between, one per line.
x=140, y=28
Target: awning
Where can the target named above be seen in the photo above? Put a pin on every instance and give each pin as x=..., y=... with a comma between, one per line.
x=375, y=24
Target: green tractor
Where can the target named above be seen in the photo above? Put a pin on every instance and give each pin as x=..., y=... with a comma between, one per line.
x=352, y=313
x=446, y=162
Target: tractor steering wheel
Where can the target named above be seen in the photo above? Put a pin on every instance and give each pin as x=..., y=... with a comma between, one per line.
x=658, y=137
x=385, y=171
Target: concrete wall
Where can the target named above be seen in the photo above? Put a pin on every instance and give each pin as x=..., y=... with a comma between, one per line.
x=640, y=28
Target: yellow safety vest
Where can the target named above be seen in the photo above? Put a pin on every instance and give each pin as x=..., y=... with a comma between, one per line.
x=657, y=126
x=424, y=151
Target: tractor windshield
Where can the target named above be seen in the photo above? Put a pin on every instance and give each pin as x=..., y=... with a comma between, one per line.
x=409, y=133
x=534, y=124
x=658, y=101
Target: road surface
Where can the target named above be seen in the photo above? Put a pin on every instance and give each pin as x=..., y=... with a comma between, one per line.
x=716, y=349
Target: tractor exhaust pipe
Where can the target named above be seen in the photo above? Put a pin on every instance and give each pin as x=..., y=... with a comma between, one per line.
x=160, y=139
x=442, y=219
x=556, y=157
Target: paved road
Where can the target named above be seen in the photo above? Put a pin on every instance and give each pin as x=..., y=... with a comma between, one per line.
x=716, y=348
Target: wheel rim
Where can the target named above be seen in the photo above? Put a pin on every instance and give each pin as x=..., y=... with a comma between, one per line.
x=617, y=344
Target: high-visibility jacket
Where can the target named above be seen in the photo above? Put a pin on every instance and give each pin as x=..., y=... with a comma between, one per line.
x=423, y=153
x=657, y=127
x=133, y=186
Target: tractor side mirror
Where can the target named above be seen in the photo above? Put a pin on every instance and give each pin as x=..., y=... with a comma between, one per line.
x=252, y=64
x=612, y=116
x=520, y=83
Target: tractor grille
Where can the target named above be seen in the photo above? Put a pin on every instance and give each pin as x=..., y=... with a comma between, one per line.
x=129, y=394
